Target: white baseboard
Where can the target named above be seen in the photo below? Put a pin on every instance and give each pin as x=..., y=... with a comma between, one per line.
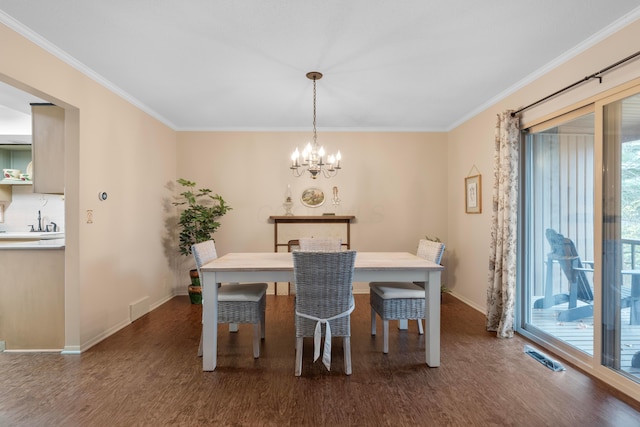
x=71, y=349
x=482, y=310
x=124, y=323
x=162, y=301
x=95, y=340
x=138, y=308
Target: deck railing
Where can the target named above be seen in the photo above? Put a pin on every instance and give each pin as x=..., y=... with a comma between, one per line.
x=630, y=254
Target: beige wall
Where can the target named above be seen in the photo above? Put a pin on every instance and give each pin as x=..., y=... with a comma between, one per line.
x=120, y=257
x=394, y=183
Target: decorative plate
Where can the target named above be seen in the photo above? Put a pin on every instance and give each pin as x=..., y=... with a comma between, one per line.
x=312, y=197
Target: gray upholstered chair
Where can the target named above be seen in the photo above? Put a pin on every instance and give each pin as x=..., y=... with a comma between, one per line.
x=324, y=302
x=321, y=244
x=402, y=300
x=237, y=303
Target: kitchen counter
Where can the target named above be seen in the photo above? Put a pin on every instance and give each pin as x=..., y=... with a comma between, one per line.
x=30, y=235
x=32, y=244
x=28, y=240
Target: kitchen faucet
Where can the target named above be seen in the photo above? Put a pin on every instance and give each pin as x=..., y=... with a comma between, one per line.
x=40, y=224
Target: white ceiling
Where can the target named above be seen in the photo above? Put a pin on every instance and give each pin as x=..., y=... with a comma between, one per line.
x=388, y=64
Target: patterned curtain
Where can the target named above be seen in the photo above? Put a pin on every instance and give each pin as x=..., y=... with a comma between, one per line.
x=501, y=291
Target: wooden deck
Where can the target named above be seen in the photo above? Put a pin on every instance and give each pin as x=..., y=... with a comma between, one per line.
x=579, y=334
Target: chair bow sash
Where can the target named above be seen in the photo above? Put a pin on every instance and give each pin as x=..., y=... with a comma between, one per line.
x=317, y=335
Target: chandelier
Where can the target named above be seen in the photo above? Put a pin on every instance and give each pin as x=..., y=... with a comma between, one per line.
x=312, y=159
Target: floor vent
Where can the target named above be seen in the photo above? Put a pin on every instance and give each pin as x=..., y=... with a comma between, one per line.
x=139, y=308
x=544, y=359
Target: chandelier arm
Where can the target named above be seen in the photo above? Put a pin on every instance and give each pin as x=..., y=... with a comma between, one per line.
x=328, y=173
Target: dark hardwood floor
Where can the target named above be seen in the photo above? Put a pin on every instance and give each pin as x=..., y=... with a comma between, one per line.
x=148, y=374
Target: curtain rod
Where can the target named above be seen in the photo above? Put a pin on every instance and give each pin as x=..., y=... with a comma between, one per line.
x=587, y=78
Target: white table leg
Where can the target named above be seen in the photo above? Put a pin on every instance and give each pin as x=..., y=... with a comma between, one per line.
x=432, y=304
x=209, y=321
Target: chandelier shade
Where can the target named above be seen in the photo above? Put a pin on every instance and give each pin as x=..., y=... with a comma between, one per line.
x=313, y=158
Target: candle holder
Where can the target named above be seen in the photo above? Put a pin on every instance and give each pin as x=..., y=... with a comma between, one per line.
x=288, y=203
x=335, y=199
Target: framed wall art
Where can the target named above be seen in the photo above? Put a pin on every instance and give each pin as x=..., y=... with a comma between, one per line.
x=312, y=197
x=473, y=194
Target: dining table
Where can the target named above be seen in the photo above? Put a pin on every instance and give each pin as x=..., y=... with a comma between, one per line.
x=278, y=267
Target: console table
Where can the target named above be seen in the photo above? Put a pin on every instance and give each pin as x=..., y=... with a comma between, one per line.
x=318, y=219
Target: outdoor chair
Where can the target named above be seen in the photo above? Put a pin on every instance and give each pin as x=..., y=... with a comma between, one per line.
x=563, y=252
x=579, y=296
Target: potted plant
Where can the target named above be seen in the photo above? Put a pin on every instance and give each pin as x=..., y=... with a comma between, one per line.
x=197, y=222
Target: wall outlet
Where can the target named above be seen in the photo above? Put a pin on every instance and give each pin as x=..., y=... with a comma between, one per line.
x=89, y=216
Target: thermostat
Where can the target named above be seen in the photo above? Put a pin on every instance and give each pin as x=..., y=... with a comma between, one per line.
x=102, y=196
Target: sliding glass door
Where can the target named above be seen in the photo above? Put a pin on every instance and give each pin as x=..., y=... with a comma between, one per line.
x=621, y=235
x=579, y=221
x=558, y=232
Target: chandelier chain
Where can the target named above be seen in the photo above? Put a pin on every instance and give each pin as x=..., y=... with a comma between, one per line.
x=315, y=135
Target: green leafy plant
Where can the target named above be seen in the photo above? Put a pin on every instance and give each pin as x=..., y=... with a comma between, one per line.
x=199, y=220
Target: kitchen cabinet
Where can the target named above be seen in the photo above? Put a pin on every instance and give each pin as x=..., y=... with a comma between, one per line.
x=13, y=156
x=5, y=193
x=48, y=148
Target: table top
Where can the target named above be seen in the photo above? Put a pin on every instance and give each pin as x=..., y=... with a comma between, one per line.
x=283, y=261
x=311, y=218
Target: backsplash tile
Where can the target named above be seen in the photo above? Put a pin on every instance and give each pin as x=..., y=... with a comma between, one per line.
x=22, y=212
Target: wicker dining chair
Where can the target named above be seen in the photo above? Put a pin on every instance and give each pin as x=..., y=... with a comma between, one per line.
x=324, y=302
x=312, y=244
x=292, y=245
x=238, y=302
x=402, y=300
x=319, y=244
x=323, y=244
